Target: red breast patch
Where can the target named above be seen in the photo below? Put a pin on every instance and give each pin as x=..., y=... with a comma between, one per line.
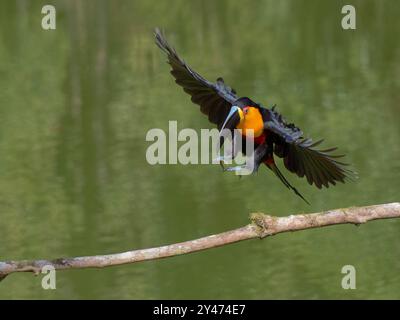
x=261, y=139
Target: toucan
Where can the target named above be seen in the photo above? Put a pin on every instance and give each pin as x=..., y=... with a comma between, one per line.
x=272, y=135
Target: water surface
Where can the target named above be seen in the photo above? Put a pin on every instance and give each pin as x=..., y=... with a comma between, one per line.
x=75, y=106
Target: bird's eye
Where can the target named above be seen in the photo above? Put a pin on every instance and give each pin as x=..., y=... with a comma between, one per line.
x=246, y=111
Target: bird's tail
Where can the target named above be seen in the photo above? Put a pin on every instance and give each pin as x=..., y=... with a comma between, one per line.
x=278, y=173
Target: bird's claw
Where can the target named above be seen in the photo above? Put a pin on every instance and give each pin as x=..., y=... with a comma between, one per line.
x=235, y=169
x=222, y=160
x=240, y=170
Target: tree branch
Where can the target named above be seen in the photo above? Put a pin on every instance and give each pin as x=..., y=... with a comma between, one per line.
x=261, y=226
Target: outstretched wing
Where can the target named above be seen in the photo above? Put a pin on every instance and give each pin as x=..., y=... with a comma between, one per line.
x=215, y=99
x=300, y=155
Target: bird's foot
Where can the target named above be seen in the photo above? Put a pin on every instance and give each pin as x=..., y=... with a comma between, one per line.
x=241, y=170
x=222, y=160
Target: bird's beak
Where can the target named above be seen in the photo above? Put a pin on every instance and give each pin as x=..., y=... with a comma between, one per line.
x=234, y=117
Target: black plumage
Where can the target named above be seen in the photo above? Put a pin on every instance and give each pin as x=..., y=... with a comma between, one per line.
x=215, y=99
x=300, y=155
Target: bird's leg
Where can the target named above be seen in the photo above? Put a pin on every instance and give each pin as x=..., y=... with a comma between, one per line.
x=223, y=159
x=229, y=156
x=257, y=156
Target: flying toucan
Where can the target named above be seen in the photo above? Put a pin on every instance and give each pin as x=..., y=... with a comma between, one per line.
x=271, y=133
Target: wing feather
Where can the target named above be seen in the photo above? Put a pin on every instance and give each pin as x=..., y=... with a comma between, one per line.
x=301, y=156
x=215, y=99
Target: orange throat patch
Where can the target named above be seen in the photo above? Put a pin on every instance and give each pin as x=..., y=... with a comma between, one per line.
x=252, y=120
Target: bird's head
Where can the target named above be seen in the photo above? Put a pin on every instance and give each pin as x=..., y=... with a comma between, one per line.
x=252, y=119
x=244, y=118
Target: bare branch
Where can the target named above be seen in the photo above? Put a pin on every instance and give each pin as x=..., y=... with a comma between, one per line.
x=262, y=226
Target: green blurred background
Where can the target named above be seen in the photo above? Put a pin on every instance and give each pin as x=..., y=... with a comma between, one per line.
x=75, y=106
